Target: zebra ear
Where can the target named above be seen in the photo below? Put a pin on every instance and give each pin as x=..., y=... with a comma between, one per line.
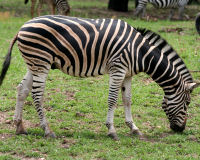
x=191, y=86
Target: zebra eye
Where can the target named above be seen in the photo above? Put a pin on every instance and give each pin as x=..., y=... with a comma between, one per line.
x=187, y=103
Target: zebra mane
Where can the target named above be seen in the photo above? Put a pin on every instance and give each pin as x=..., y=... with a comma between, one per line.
x=156, y=40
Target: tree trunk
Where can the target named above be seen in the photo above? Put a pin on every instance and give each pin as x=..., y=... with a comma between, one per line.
x=118, y=5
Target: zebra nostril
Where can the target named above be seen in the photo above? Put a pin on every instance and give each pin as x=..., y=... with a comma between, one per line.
x=177, y=128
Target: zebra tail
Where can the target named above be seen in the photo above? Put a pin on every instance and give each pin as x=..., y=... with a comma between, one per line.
x=197, y=23
x=7, y=60
x=26, y=1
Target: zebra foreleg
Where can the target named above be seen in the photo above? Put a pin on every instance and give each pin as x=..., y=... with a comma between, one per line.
x=37, y=94
x=115, y=82
x=126, y=98
x=23, y=90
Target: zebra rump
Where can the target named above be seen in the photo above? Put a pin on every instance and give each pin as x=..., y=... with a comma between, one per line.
x=197, y=23
x=91, y=47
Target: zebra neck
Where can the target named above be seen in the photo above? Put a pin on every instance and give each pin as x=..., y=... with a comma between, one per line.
x=156, y=64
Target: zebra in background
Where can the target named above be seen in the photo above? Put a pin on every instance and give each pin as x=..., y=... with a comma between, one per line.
x=197, y=23
x=61, y=5
x=88, y=47
x=180, y=4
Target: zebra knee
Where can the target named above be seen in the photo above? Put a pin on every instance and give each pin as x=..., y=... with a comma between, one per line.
x=22, y=92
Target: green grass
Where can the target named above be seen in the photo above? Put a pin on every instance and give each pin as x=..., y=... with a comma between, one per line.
x=84, y=137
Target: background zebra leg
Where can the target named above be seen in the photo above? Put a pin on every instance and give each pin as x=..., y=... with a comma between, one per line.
x=180, y=12
x=171, y=13
x=37, y=94
x=144, y=11
x=23, y=90
x=39, y=7
x=33, y=2
x=51, y=4
x=114, y=86
x=126, y=98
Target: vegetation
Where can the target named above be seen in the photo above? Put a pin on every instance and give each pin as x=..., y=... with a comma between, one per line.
x=76, y=108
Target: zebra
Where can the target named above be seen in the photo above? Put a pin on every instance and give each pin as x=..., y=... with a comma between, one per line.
x=61, y=5
x=197, y=23
x=180, y=4
x=90, y=47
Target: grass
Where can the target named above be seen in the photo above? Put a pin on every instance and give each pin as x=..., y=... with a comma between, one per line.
x=76, y=108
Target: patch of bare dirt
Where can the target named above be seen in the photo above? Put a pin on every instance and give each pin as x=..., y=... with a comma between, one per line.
x=169, y=30
x=70, y=95
x=7, y=123
x=193, y=138
x=14, y=155
x=158, y=139
x=147, y=81
x=67, y=143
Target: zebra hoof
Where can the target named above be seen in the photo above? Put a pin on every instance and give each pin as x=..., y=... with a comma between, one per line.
x=50, y=135
x=138, y=133
x=20, y=128
x=18, y=132
x=113, y=136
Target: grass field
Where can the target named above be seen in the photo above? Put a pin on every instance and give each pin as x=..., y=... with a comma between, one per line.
x=76, y=108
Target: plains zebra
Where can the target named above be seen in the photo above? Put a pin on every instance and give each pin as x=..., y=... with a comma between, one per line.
x=61, y=5
x=88, y=47
x=197, y=22
x=141, y=6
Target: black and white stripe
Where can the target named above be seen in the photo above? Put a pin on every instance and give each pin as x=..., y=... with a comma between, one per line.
x=180, y=4
x=91, y=47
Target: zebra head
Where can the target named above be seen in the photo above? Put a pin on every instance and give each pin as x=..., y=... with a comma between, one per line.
x=175, y=107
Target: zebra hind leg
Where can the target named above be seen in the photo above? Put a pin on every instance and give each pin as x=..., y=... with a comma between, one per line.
x=23, y=90
x=37, y=94
x=126, y=98
x=180, y=12
x=171, y=13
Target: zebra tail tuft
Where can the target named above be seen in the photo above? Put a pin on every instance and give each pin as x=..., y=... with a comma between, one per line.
x=7, y=60
x=197, y=23
x=26, y=1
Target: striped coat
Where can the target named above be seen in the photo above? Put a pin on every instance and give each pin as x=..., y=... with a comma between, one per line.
x=91, y=47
